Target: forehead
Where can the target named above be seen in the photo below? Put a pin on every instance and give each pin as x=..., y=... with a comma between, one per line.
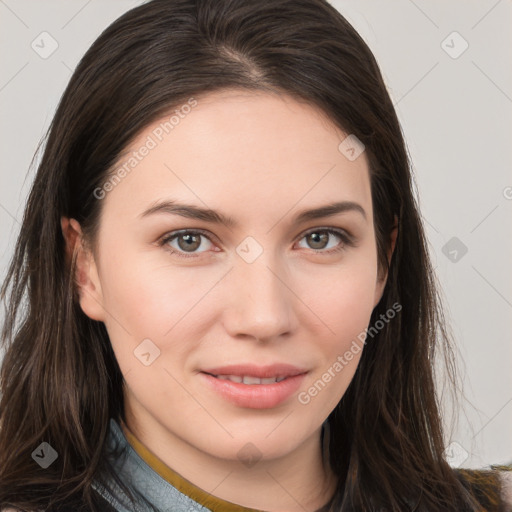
x=240, y=150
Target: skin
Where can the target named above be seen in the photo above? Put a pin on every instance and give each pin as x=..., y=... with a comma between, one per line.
x=260, y=159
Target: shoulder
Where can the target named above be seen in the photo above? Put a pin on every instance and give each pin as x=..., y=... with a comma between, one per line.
x=490, y=486
x=506, y=486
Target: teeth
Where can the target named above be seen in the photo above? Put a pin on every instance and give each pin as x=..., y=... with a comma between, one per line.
x=232, y=378
x=251, y=380
x=248, y=379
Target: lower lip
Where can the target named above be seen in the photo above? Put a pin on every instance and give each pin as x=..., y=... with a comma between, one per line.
x=255, y=396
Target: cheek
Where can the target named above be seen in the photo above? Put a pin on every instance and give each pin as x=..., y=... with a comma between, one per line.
x=145, y=298
x=343, y=299
x=150, y=297
x=342, y=295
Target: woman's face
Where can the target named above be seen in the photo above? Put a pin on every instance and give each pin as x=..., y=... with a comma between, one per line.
x=189, y=300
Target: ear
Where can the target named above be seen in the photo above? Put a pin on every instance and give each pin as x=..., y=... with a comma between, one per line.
x=382, y=279
x=86, y=273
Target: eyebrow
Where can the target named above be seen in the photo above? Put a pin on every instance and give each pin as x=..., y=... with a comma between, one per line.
x=207, y=215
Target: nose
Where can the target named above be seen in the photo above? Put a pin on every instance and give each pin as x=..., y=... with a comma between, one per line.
x=260, y=302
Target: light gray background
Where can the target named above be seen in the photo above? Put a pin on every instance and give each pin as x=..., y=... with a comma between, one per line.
x=456, y=116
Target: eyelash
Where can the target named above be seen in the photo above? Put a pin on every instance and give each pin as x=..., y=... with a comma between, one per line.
x=346, y=240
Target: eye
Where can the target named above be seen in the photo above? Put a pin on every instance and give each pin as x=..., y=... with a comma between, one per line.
x=320, y=239
x=186, y=241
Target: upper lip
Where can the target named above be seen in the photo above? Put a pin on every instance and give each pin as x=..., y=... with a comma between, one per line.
x=273, y=370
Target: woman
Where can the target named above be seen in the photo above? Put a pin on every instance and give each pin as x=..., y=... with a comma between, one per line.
x=231, y=305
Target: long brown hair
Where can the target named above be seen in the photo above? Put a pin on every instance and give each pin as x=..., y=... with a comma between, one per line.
x=60, y=380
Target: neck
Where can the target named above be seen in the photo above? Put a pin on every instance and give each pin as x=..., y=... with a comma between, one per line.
x=301, y=480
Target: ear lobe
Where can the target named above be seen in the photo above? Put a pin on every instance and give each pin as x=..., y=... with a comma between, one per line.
x=86, y=276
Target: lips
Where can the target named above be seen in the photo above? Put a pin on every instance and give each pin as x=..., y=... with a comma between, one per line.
x=255, y=387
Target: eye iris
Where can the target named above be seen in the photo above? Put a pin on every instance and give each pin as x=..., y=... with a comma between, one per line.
x=192, y=242
x=321, y=238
